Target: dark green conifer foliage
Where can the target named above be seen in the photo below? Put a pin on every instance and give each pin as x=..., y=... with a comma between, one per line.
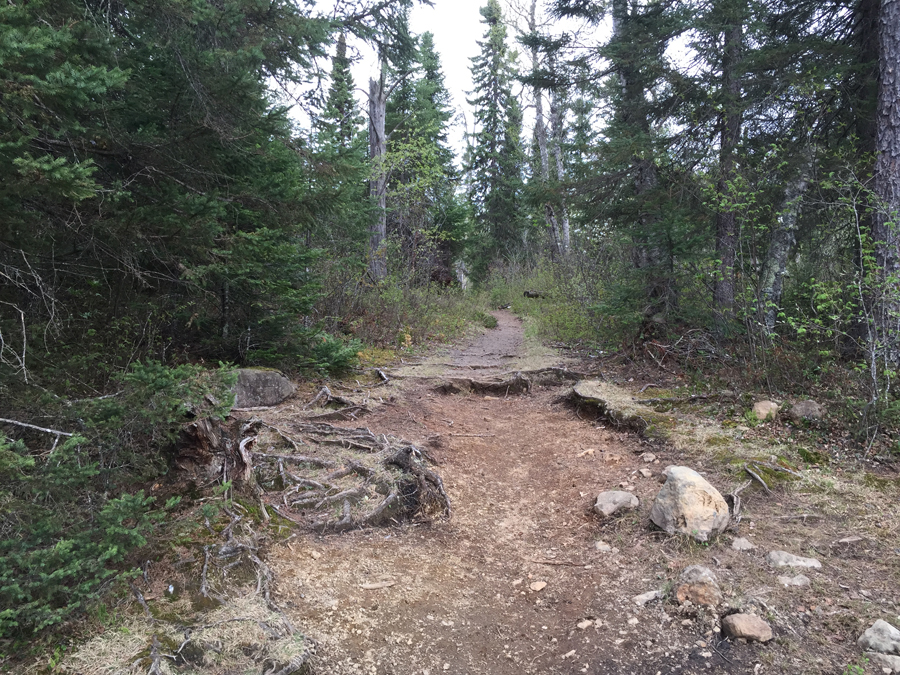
x=496, y=157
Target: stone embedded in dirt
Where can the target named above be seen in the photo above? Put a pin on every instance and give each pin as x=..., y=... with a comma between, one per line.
x=538, y=586
x=688, y=504
x=765, y=410
x=644, y=598
x=603, y=547
x=887, y=663
x=698, y=585
x=613, y=501
x=806, y=410
x=610, y=457
x=799, y=580
x=377, y=585
x=881, y=637
x=584, y=625
x=742, y=544
x=747, y=626
x=785, y=559
x=850, y=540
x=315, y=555
x=648, y=457
x=646, y=473
x=258, y=388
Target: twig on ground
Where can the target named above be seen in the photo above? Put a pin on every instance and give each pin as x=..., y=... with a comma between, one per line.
x=755, y=475
x=140, y=598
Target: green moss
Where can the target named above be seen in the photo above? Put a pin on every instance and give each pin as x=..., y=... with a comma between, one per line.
x=715, y=441
x=813, y=457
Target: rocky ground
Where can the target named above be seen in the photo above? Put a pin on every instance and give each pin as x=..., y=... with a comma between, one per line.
x=527, y=577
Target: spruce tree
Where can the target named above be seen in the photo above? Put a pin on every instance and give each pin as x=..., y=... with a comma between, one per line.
x=496, y=157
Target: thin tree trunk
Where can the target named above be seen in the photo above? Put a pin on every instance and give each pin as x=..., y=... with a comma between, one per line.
x=540, y=135
x=780, y=245
x=726, y=219
x=378, y=184
x=887, y=182
x=557, y=132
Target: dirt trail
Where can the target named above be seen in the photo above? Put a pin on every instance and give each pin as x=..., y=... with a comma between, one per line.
x=465, y=596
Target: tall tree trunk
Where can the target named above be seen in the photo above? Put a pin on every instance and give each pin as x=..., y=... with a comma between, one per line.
x=378, y=183
x=647, y=255
x=557, y=134
x=887, y=182
x=726, y=220
x=781, y=243
x=540, y=135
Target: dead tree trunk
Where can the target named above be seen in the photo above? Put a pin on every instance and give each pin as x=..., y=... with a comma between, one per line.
x=378, y=183
x=540, y=136
x=557, y=133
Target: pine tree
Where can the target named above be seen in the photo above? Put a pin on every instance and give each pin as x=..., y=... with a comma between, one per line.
x=496, y=156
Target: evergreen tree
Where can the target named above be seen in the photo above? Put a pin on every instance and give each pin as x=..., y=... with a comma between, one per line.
x=496, y=156
x=341, y=120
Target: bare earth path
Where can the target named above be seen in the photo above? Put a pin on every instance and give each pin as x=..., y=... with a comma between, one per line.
x=514, y=582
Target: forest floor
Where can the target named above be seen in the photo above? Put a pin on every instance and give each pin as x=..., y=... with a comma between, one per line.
x=524, y=578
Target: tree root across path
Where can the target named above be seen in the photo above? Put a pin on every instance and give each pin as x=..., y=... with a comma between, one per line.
x=323, y=477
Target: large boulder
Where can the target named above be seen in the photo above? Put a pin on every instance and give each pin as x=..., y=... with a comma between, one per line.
x=688, y=504
x=258, y=388
x=614, y=501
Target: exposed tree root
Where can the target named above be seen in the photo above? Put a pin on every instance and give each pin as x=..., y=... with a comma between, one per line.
x=328, y=478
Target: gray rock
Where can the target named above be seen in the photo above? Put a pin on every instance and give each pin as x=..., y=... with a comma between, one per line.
x=809, y=410
x=747, y=626
x=888, y=664
x=698, y=585
x=614, y=501
x=765, y=410
x=799, y=580
x=785, y=559
x=688, y=504
x=257, y=388
x=741, y=544
x=881, y=637
x=644, y=598
x=603, y=547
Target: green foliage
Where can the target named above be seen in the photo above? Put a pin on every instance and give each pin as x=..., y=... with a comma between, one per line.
x=55, y=551
x=496, y=157
x=63, y=535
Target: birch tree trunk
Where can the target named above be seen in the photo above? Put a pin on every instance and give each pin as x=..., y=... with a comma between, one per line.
x=781, y=243
x=887, y=182
x=378, y=183
x=726, y=219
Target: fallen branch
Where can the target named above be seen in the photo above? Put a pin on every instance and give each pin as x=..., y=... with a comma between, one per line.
x=558, y=563
x=31, y=426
